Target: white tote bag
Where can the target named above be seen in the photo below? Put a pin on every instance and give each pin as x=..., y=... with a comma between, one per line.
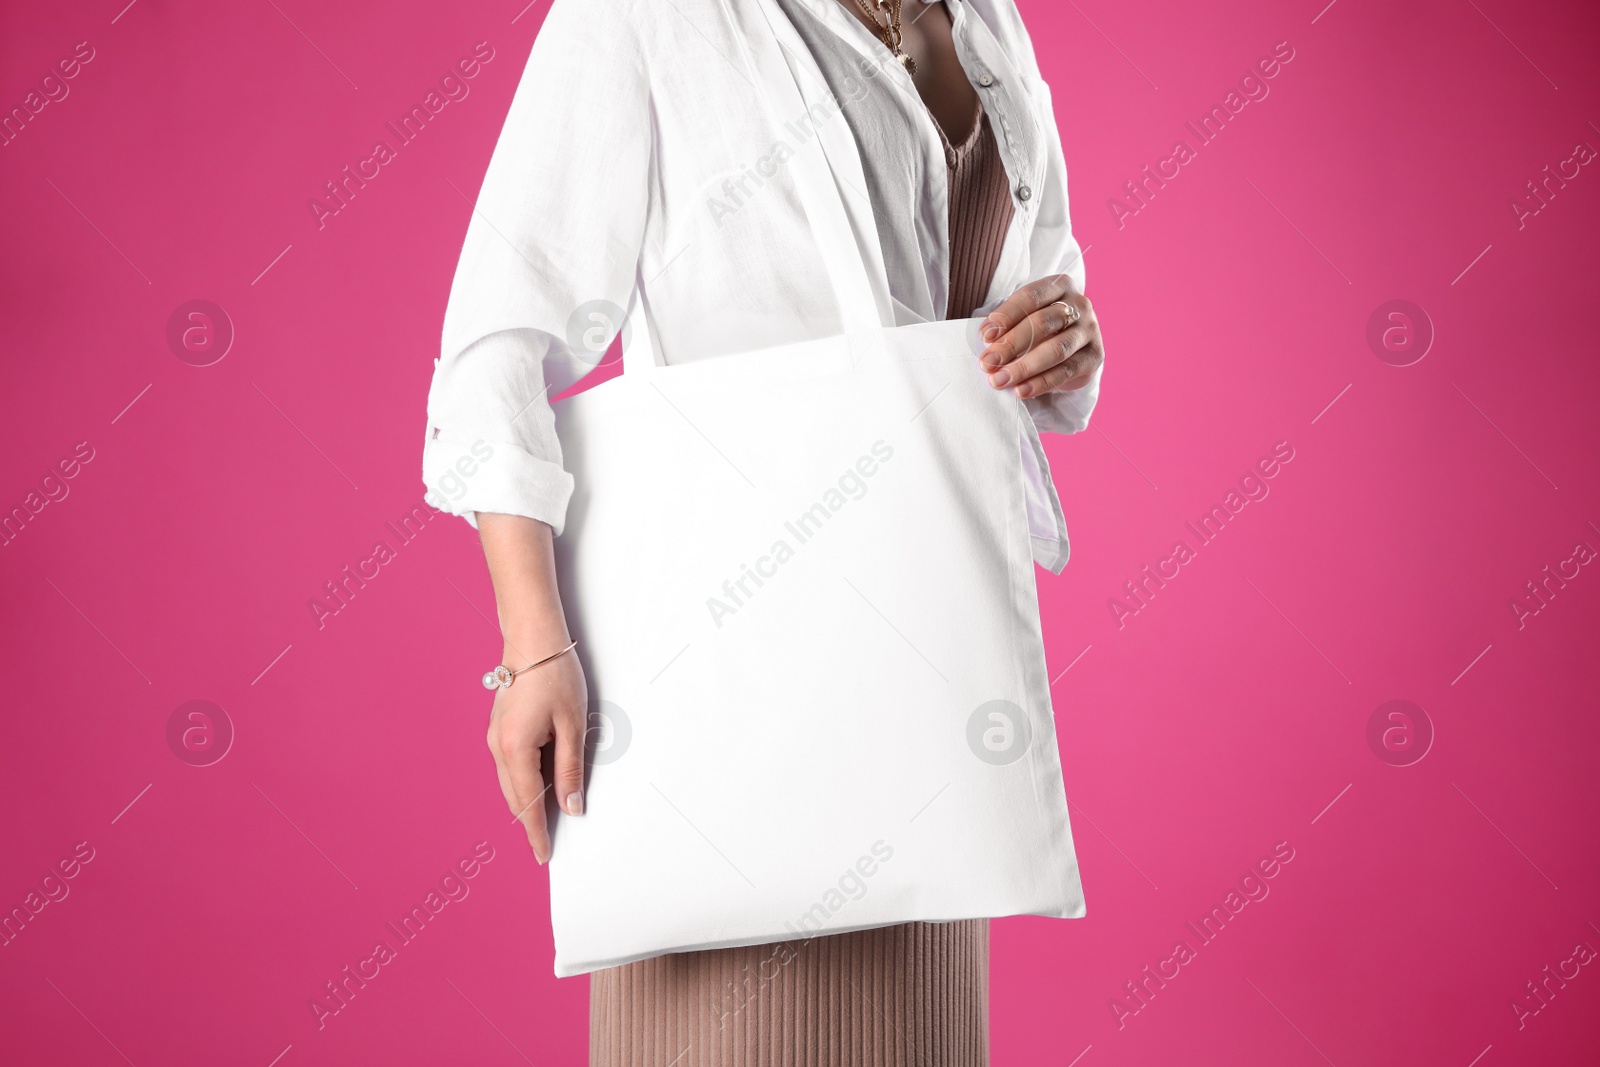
x=802, y=584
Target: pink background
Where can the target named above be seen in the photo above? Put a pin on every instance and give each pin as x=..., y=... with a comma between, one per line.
x=1228, y=714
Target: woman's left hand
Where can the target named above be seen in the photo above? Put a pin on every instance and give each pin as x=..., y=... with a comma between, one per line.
x=1042, y=338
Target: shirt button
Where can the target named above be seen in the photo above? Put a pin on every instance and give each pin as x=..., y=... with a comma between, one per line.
x=986, y=79
x=1024, y=193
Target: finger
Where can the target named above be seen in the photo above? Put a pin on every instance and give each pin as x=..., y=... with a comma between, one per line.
x=1064, y=349
x=1072, y=374
x=1030, y=333
x=515, y=806
x=569, y=762
x=521, y=762
x=503, y=776
x=1022, y=303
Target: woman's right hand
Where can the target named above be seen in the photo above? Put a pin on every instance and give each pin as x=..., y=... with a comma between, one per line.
x=547, y=706
x=544, y=707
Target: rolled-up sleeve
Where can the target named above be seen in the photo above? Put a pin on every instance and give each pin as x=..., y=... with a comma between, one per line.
x=555, y=234
x=1056, y=251
x=479, y=455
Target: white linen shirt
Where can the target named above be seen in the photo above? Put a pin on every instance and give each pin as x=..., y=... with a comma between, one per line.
x=639, y=176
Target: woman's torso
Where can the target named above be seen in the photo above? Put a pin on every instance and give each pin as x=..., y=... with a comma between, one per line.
x=729, y=257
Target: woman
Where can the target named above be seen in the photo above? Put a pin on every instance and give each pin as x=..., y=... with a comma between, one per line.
x=662, y=156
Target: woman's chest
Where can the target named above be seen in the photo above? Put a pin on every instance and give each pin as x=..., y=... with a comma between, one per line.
x=757, y=178
x=920, y=32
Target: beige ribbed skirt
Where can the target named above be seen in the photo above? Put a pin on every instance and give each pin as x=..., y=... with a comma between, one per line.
x=917, y=993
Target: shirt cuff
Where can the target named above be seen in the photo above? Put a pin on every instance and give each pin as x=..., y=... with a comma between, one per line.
x=1059, y=412
x=465, y=477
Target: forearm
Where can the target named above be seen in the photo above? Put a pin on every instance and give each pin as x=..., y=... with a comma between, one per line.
x=520, y=554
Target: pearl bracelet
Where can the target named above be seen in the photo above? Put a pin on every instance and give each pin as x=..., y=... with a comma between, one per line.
x=502, y=676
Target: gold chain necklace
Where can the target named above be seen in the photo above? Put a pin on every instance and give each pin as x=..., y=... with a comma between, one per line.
x=889, y=32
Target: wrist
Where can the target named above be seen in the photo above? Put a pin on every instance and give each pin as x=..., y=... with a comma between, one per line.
x=502, y=676
x=524, y=647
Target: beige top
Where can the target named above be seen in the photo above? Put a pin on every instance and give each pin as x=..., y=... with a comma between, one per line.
x=980, y=214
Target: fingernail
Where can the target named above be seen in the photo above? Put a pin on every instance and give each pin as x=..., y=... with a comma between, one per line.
x=999, y=379
x=1024, y=389
x=575, y=804
x=989, y=330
